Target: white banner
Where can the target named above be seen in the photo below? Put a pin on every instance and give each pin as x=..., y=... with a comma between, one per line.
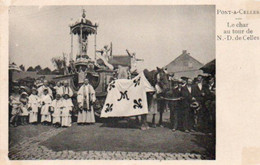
x=127, y=97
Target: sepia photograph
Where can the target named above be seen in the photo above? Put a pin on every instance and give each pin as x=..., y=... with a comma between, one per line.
x=112, y=82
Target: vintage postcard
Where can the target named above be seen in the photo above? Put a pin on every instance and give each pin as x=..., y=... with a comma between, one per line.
x=109, y=82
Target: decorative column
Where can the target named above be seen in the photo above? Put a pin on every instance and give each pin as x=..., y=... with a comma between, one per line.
x=71, y=53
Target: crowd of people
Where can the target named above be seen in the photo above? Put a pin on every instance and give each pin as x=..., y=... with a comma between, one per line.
x=192, y=106
x=54, y=106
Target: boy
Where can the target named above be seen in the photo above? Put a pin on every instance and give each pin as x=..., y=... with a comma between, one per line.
x=57, y=107
x=45, y=111
x=34, y=103
x=66, y=111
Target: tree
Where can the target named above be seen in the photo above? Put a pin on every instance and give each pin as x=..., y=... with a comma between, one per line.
x=30, y=69
x=22, y=67
x=38, y=68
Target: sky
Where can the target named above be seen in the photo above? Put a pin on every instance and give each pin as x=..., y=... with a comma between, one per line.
x=157, y=34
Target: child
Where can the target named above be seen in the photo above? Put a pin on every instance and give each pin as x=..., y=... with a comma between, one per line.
x=34, y=103
x=45, y=111
x=66, y=112
x=57, y=106
x=15, y=105
x=24, y=108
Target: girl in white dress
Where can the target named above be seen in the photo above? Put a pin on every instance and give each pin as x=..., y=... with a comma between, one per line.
x=57, y=107
x=24, y=108
x=45, y=110
x=66, y=111
x=33, y=104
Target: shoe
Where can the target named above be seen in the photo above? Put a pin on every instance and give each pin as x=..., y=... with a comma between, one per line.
x=173, y=130
x=186, y=131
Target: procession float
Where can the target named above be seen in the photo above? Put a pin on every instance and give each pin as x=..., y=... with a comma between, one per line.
x=101, y=69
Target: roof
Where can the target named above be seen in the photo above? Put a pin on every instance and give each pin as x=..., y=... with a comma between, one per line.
x=183, y=62
x=117, y=60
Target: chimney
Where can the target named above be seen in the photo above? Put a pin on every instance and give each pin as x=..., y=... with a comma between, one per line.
x=184, y=52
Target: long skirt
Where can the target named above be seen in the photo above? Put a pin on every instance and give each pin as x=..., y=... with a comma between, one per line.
x=46, y=118
x=82, y=117
x=56, y=119
x=86, y=116
x=66, y=121
x=33, y=117
x=90, y=116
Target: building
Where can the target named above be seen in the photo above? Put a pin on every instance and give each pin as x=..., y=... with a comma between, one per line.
x=184, y=65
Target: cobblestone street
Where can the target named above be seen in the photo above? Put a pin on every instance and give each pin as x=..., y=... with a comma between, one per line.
x=30, y=148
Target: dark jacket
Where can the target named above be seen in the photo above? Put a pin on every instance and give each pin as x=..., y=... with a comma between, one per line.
x=187, y=97
x=176, y=94
x=198, y=93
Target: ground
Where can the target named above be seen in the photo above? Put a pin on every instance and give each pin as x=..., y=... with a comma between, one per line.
x=108, y=141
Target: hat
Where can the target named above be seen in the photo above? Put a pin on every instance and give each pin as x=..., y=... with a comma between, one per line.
x=33, y=88
x=195, y=104
x=46, y=90
x=45, y=81
x=24, y=93
x=184, y=78
x=22, y=87
x=66, y=95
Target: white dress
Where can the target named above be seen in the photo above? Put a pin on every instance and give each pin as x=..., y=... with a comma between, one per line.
x=45, y=114
x=83, y=95
x=34, y=103
x=57, y=106
x=65, y=114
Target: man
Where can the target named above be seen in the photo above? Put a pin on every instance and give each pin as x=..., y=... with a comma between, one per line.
x=210, y=101
x=66, y=89
x=175, y=106
x=187, y=100
x=86, y=97
x=198, y=92
x=43, y=87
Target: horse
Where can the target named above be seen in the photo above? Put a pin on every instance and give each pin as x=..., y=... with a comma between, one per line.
x=160, y=78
